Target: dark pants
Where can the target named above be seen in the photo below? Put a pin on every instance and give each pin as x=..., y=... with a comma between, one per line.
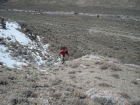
x=62, y=59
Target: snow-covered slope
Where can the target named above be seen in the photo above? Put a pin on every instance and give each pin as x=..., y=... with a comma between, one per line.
x=17, y=49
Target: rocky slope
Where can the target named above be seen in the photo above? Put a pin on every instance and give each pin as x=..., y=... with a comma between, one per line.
x=90, y=80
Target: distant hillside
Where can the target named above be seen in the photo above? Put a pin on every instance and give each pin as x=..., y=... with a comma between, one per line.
x=83, y=3
x=3, y=1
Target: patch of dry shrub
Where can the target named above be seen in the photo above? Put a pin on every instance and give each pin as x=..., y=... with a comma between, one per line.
x=56, y=95
x=135, y=82
x=19, y=101
x=72, y=72
x=125, y=95
x=104, y=100
x=104, y=66
x=72, y=77
x=115, y=76
x=55, y=81
x=104, y=84
x=92, y=71
x=98, y=78
x=136, y=103
x=79, y=102
x=79, y=97
x=115, y=68
x=34, y=85
x=29, y=93
x=3, y=82
x=74, y=65
x=98, y=62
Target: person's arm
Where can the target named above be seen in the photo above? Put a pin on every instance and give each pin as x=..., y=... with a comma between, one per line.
x=59, y=53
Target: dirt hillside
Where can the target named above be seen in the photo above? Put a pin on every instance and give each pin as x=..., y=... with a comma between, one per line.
x=90, y=80
x=105, y=33
x=113, y=35
x=84, y=3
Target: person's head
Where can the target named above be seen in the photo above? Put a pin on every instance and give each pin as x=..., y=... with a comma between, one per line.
x=64, y=48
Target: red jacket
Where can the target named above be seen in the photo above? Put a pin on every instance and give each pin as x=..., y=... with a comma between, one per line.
x=63, y=52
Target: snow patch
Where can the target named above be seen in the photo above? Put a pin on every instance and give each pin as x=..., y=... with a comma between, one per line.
x=15, y=35
x=36, y=50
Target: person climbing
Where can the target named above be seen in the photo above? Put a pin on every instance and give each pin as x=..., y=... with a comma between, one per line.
x=63, y=51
